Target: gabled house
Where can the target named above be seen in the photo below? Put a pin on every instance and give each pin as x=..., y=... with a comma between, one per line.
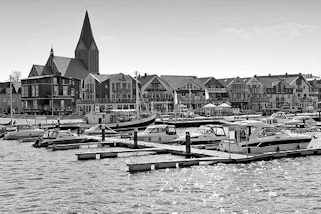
x=5, y=98
x=106, y=92
x=238, y=91
x=217, y=92
x=189, y=90
x=157, y=95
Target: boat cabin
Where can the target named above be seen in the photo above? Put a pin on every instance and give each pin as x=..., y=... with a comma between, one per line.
x=158, y=133
x=257, y=137
x=54, y=134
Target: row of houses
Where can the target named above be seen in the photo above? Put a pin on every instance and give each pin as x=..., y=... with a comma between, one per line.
x=65, y=85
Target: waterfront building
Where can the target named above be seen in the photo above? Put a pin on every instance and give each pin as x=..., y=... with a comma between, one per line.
x=238, y=92
x=5, y=98
x=217, y=93
x=288, y=92
x=189, y=90
x=157, y=95
x=106, y=92
x=258, y=100
x=49, y=94
x=62, y=75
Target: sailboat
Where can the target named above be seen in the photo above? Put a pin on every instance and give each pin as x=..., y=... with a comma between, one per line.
x=123, y=119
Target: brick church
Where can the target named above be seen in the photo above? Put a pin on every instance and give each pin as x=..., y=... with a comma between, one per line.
x=54, y=87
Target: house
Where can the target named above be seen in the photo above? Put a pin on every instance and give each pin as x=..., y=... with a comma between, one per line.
x=6, y=95
x=105, y=92
x=217, y=92
x=189, y=90
x=157, y=95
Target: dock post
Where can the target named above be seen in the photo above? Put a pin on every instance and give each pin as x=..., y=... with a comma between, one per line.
x=103, y=133
x=135, y=139
x=188, y=143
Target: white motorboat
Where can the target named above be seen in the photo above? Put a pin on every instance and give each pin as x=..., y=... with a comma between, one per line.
x=158, y=133
x=24, y=131
x=261, y=138
x=277, y=118
x=212, y=134
x=97, y=130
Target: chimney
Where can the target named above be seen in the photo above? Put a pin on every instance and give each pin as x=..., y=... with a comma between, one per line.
x=269, y=75
x=286, y=74
x=145, y=75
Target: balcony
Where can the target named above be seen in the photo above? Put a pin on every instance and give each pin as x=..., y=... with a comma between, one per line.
x=216, y=90
x=106, y=100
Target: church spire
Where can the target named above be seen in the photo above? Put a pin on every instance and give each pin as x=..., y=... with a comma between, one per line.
x=86, y=35
x=86, y=50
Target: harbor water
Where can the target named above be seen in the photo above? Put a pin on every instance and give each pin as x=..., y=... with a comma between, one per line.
x=39, y=181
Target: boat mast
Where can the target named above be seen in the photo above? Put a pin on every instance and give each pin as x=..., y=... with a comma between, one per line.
x=137, y=95
x=11, y=100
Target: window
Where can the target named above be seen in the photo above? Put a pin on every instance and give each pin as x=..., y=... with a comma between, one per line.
x=124, y=85
x=65, y=90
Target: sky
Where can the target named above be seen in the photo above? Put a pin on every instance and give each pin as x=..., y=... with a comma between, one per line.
x=220, y=38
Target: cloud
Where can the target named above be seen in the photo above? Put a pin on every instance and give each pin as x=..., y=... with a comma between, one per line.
x=283, y=30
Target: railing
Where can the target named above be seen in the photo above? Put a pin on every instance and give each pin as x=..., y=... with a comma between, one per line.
x=216, y=90
x=105, y=100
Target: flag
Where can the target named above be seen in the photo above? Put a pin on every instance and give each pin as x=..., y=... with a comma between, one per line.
x=207, y=96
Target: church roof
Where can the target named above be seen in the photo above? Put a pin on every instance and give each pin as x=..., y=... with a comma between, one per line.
x=70, y=67
x=86, y=36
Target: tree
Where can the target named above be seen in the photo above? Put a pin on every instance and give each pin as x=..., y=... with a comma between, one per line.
x=15, y=77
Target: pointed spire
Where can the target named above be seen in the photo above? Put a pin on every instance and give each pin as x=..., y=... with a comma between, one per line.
x=86, y=35
x=51, y=51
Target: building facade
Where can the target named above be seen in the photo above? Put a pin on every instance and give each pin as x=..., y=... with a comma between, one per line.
x=188, y=89
x=5, y=98
x=49, y=94
x=157, y=96
x=106, y=92
x=217, y=93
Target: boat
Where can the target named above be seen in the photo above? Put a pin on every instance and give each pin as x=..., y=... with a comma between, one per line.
x=302, y=124
x=23, y=131
x=159, y=134
x=255, y=138
x=97, y=130
x=206, y=134
x=3, y=131
x=120, y=119
x=277, y=118
x=54, y=137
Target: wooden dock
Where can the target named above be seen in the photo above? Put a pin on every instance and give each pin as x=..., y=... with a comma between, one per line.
x=194, y=157
x=142, y=167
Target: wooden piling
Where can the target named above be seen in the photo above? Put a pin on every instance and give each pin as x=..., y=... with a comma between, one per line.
x=135, y=139
x=103, y=133
x=188, y=143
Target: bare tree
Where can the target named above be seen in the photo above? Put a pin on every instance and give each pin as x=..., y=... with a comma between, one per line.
x=15, y=77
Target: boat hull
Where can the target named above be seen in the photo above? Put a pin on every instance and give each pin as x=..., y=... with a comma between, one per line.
x=141, y=123
x=23, y=134
x=272, y=146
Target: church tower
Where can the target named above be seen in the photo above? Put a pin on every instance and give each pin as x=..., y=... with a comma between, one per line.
x=86, y=50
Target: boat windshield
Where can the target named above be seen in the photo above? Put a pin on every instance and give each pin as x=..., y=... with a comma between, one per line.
x=219, y=131
x=155, y=130
x=50, y=134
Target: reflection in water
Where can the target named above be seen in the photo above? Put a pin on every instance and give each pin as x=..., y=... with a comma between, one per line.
x=38, y=181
